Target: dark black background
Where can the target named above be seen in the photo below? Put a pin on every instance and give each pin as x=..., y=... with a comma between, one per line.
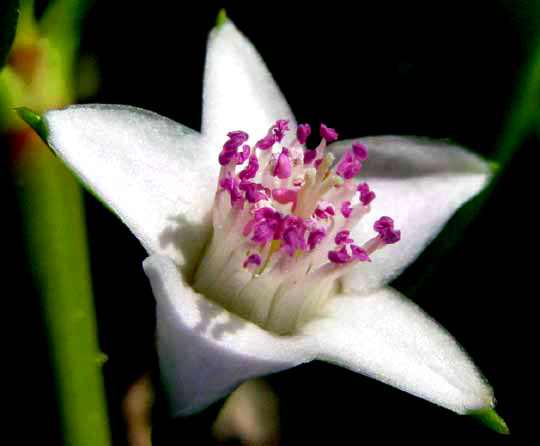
x=433, y=69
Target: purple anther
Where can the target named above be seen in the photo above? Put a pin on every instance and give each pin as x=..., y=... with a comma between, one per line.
x=293, y=240
x=349, y=166
x=385, y=227
x=283, y=195
x=315, y=238
x=317, y=163
x=359, y=254
x=340, y=256
x=309, y=156
x=253, y=191
x=324, y=213
x=383, y=223
x=229, y=152
x=346, y=209
x=282, y=168
x=360, y=151
x=267, y=214
x=291, y=221
x=280, y=128
x=366, y=195
x=226, y=156
x=264, y=231
x=242, y=156
x=231, y=186
x=253, y=260
x=302, y=132
x=251, y=170
x=328, y=134
x=320, y=213
x=238, y=137
x=342, y=237
x=266, y=143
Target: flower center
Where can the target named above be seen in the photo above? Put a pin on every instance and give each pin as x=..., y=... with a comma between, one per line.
x=281, y=220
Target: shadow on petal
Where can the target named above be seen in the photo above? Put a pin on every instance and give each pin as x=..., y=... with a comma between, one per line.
x=187, y=240
x=215, y=321
x=402, y=157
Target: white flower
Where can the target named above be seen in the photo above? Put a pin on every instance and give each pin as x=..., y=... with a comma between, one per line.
x=290, y=299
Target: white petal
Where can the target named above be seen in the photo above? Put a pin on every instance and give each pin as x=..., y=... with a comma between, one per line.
x=420, y=183
x=387, y=337
x=239, y=91
x=205, y=351
x=152, y=172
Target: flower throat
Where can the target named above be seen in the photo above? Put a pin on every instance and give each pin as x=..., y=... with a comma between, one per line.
x=282, y=220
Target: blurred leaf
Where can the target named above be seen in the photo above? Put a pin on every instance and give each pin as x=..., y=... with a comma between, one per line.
x=9, y=13
x=61, y=23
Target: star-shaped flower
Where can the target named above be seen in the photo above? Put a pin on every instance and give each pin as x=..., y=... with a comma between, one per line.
x=263, y=256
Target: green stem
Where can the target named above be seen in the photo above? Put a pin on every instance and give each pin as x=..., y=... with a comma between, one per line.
x=53, y=219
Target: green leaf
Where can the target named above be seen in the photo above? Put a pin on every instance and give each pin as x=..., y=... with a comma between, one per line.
x=9, y=13
x=492, y=420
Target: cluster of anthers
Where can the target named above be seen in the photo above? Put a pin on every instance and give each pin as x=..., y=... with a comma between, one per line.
x=282, y=220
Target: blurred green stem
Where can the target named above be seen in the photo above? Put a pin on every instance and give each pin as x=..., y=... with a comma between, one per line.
x=53, y=219
x=39, y=74
x=524, y=110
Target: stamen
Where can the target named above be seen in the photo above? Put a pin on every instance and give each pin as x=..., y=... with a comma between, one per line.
x=328, y=134
x=324, y=213
x=342, y=237
x=242, y=156
x=360, y=151
x=349, y=166
x=279, y=243
x=231, y=186
x=293, y=239
x=254, y=192
x=324, y=167
x=309, y=156
x=251, y=170
x=266, y=143
x=283, y=195
x=385, y=227
x=346, y=209
x=302, y=132
x=366, y=196
x=315, y=238
x=282, y=169
x=252, y=261
x=236, y=139
x=340, y=256
x=359, y=254
x=280, y=128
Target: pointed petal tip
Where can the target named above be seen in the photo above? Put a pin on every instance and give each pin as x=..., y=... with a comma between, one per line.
x=34, y=120
x=221, y=19
x=491, y=419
